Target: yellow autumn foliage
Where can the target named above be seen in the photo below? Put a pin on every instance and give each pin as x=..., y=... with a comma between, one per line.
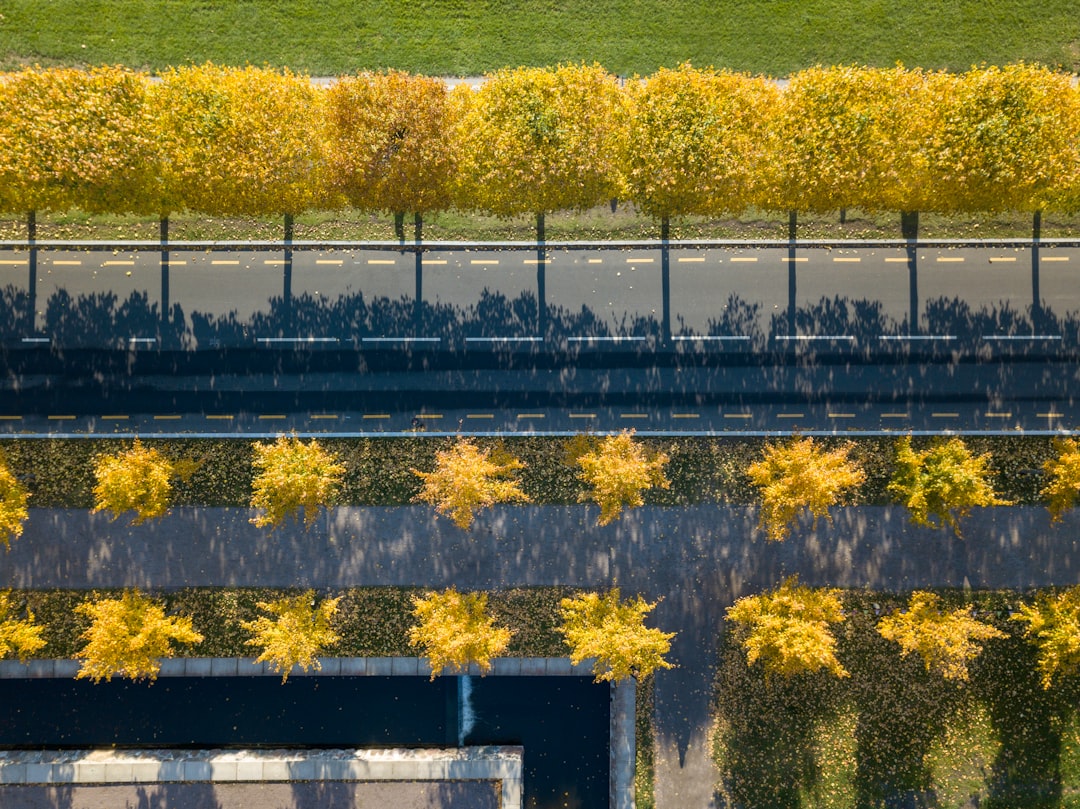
x=19, y=635
x=1063, y=486
x=467, y=478
x=454, y=629
x=946, y=641
x=128, y=636
x=798, y=476
x=787, y=629
x=138, y=479
x=1053, y=625
x=299, y=630
x=614, y=633
x=291, y=475
x=13, y=511
x=617, y=471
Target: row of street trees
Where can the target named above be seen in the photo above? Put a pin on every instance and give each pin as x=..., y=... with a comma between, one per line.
x=529, y=141
x=938, y=484
x=130, y=635
x=787, y=631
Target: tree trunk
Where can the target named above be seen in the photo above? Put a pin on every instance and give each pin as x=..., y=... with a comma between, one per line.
x=399, y=225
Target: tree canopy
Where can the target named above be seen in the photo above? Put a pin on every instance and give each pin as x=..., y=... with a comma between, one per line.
x=947, y=641
x=454, y=629
x=1063, y=473
x=299, y=630
x=20, y=636
x=138, y=479
x=291, y=475
x=13, y=500
x=467, y=478
x=613, y=632
x=128, y=636
x=617, y=470
x=1053, y=625
x=940, y=485
x=787, y=629
x=798, y=476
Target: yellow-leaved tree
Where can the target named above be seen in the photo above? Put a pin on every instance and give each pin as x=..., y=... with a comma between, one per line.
x=617, y=470
x=128, y=636
x=1063, y=486
x=300, y=629
x=389, y=145
x=798, y=476
x=942, y=483
x=694, y=141
x=537, y=140
x=240, y=141
x=454, y=629
x=614, y=633
x=138, y=479
x=947, y=641
x=1053, y=625
x=20, y=636
x=291, y=475
x=1006, y=139
x=467, y=478
x=13, y=511
x=787, y=629
x=77, y=139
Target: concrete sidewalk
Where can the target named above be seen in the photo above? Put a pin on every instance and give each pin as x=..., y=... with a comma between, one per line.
x=697, y=559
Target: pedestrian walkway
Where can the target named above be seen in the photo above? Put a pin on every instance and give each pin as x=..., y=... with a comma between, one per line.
x=697, y=559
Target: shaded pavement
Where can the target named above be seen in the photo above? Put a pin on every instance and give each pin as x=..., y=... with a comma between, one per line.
x=697, y=559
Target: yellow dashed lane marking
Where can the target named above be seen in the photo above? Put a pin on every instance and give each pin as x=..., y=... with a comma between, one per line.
x=230, y=262
x=114, y=418
x=687, y=260
x=639, y=261
x=945, y=415
x=67, y=263
x=582, y=415
x=336, y=261
x=270, y=417
x=894, y=415
x=1054, y=258
x=790, y=415
x=633, y=415
x=172, y=263
x=61, y=418
x=591, y=261
x=744, y=258
x=1040, y=415
x=685, y=415
x=479, y=415
x=119, y=263
x=10, y=418
x=166, y=418
x=842, y=260
x=998, y=259
x=998, y=415
x=271, y=261
x=950, y=259
x=484, y=261
x=377, y=416
x=738, y=415
x=429, y=415
x=796, y=259
x=216, y=417
x=537, y=260
x=841, y=415
x=530, y=415
x=317, y=416
x=18, y=262
x=434, y=261
x=387, y=261
x=894, y=260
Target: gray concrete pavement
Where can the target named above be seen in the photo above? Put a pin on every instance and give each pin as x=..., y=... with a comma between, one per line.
x=698, y=560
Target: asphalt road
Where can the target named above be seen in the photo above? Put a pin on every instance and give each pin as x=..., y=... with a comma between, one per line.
x=737, y=297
